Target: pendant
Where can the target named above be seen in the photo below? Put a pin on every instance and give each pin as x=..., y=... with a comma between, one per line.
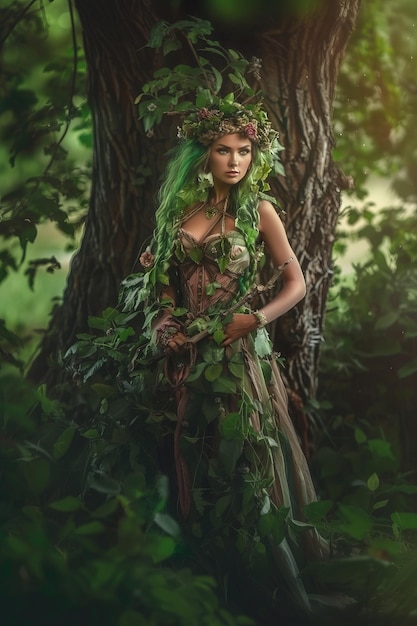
x=211, y=211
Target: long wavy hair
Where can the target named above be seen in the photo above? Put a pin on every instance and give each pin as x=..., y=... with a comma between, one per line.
x=180, y=189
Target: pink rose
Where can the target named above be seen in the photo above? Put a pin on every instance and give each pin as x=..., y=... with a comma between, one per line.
x=146, y=259
x=205, y=114
x=250, y=131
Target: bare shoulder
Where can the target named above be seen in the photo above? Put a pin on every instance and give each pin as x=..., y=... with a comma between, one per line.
x=268, y=216
x=266, y=206
x=272, y=232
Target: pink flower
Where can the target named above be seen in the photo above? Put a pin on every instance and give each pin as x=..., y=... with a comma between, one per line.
x=205, y=114
x=146, y=259
x=250, y=131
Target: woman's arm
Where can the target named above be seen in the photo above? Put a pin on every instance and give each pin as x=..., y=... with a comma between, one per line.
x=276, y=241
x=293, y=290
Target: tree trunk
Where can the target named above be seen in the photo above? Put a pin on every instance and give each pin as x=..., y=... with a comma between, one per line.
x=120, y=213
x=301, y=61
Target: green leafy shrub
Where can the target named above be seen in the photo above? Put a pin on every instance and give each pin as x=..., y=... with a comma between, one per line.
x=365, y=412
x=84, y=533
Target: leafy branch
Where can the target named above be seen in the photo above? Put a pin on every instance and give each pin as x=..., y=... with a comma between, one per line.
x=184, y=86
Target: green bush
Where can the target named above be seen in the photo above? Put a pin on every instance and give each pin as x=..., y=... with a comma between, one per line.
x=84, y=533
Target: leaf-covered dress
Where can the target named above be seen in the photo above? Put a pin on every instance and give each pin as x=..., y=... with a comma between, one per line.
x=241, y=476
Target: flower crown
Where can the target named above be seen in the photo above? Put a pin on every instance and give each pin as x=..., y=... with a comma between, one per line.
x=225, y=116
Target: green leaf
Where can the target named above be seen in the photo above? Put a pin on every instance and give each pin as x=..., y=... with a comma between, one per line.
x=48, y=405
x=167, y=524
x=213, y=354
x=218, y=336
x=96, y=366
x=263, y=345
x=380, y=504
x=213, y=372
x=196, y=254
x=124, y=333
x=387, y=320
x=381, y=449
x=63, y=442
x=179, y=311
x=211, y=288
x=103, y=391
x=356, y=522
x=234, y=79
x=99, y=322
x=197, y=326
x=106, y=509
x=230, y=426
x=162, y=548
x=91, y=528
x=236, y=369
x=273, y=525
x=223, y=263
x=196, y=372
x=218, y=79
x=204, y=98
x=170, y=45
x=373, y=482
x=235, y=56
x=67, y=504
x=91, y=433
x=224, y=385
x=407, y=370
x=316, y=511
x=405, y=521
x=162, y=278
x=266, y=370
x=360, y=436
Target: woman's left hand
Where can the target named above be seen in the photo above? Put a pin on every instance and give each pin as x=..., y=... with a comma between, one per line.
x=240, y=326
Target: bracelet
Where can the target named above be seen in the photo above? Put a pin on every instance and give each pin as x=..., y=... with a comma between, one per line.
x=261, y=319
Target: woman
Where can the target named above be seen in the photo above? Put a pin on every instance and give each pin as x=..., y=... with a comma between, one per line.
x=240, y=474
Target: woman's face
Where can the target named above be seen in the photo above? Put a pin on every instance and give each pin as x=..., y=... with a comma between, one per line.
x=229, y=159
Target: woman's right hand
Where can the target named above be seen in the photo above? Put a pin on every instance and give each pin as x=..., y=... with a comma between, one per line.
x=177, y=342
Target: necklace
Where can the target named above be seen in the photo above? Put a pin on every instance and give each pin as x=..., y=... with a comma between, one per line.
x=212, y=209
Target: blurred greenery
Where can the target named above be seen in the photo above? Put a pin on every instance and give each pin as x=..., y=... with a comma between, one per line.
x=376, y=98
x=29, y=308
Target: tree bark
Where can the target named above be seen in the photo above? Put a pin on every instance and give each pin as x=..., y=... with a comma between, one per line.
x=120, y=212
x=301, y=61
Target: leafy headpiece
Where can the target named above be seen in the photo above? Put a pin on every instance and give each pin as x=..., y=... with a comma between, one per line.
x=224, y=116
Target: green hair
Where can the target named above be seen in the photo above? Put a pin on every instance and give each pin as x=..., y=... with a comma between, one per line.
x=180, y=189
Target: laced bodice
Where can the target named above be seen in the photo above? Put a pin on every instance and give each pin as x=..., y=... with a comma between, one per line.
x=203, y=284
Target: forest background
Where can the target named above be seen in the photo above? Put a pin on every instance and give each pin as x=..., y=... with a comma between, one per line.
x=64, y=548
